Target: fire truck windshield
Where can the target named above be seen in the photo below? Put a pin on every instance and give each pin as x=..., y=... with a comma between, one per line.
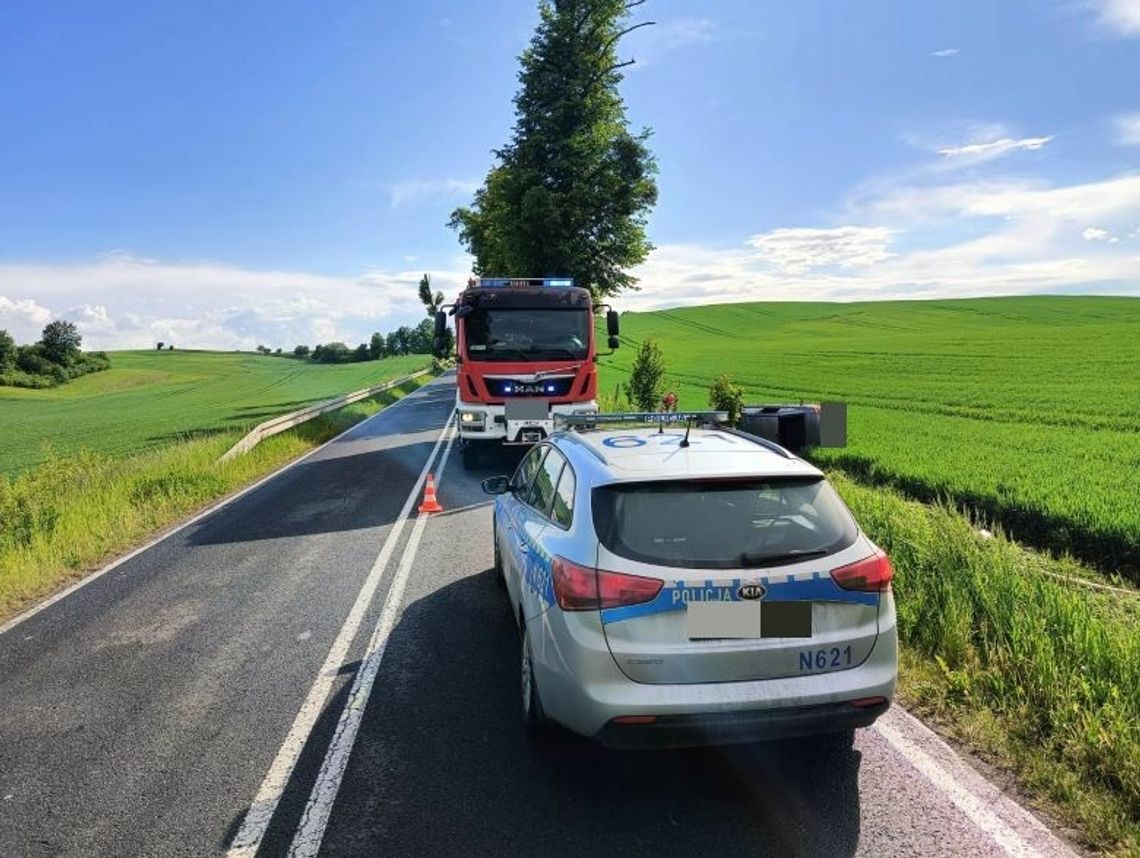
x=527, y=334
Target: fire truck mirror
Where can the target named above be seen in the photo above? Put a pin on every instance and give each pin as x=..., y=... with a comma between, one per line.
x=614, y=342
x=612, y=327
x=440, y=324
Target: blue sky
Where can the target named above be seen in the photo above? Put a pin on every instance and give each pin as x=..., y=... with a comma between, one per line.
x=223, y=173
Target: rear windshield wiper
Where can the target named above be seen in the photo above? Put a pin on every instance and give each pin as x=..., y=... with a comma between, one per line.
x=749, y=560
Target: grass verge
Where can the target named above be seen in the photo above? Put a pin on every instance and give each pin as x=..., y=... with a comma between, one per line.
x=1038, y=676
x=74, y=512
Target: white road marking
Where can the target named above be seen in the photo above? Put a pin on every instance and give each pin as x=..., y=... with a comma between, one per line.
x=978, y=809
x=256, y=822
x=314, y=821
x=63, y=594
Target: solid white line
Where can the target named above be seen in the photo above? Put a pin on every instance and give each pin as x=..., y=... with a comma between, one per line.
x=257, y=818
x=970, y=804
x=63, y=594
x=314, y=821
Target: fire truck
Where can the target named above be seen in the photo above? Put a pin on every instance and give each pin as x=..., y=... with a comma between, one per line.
x=525, y=352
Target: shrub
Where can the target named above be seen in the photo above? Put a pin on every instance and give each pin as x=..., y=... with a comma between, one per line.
x=647, y=377
x=726, y=396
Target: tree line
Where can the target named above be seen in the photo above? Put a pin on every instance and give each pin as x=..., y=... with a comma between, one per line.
x=54, y=360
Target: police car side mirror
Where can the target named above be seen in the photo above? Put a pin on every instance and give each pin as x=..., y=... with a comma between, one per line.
x=496, y=485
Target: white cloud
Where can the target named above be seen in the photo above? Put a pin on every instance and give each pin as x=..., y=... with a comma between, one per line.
x=119, y=301
x=429, y=190
x=1121, y=16
x=21, y=316
x=978, y=152
x=945, y=52
x=954, y=239
x=797, y=251
x=1128, y=129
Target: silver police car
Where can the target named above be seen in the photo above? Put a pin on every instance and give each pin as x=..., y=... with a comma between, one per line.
x=678, y=587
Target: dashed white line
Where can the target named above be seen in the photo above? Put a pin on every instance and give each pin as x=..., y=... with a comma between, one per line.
x=246, y=842
x=314, y=821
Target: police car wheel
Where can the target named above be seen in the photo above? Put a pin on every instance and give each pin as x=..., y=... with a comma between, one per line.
x=534, y=719
x=500, y=581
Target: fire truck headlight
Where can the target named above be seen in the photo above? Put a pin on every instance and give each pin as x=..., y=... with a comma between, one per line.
x=470, y=418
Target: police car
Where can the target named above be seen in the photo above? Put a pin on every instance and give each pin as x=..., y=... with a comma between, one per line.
x=679, y=586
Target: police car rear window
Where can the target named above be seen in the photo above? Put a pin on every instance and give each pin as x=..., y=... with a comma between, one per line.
x=723, y=524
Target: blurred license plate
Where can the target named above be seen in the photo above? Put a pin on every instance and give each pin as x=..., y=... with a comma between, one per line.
x=711, y=620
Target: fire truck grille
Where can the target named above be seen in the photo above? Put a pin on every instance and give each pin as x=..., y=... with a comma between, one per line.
x=509, y=388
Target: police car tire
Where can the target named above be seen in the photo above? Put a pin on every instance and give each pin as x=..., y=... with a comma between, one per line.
x=534, y=719
x=500, y=581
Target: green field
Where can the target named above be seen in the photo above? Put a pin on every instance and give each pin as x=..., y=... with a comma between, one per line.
x=150, y=398
x=1026, y=410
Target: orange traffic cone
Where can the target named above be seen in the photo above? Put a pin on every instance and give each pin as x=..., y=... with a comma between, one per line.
x=430, y=503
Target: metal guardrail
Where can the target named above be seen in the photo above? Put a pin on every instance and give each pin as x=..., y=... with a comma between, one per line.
x=287, y=421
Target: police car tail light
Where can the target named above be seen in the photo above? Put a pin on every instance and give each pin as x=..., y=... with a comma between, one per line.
x=870, y=575
x=581, y=588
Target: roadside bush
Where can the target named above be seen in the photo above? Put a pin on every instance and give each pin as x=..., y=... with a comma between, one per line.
x=726, y=396
x=647, y=376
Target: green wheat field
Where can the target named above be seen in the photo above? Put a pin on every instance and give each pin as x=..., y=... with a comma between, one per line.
x=1026, y=410
x=149, y=399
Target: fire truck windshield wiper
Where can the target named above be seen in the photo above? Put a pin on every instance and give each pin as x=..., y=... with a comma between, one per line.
x=556, y=350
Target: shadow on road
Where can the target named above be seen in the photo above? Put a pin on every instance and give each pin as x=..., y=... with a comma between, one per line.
x=441, y=766
x=324, y=495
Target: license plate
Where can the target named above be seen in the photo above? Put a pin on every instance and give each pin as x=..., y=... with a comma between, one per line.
x=720, y=620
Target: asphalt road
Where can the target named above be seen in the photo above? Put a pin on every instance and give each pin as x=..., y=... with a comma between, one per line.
x=147, y=711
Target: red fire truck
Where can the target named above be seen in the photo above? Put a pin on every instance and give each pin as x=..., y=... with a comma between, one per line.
x=525, y=351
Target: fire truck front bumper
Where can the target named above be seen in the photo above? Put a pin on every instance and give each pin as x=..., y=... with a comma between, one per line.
x=519, y=421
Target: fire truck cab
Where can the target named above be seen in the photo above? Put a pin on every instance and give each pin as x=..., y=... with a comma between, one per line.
x=525, y=351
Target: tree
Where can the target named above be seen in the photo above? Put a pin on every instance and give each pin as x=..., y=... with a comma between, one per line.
x=170, y=347
x=726, y=396
x=647, y=377
x=392, y=343
x=161, y=345
x=335, y=353
x=431, y=302
x=360, y=353
x=263, y=349
x=318, y=352
x=301, y=352
x=421, y=337
x=570, y=192
x=277, y=350
x=61, y=341
x=7, y=350
x=376, y=346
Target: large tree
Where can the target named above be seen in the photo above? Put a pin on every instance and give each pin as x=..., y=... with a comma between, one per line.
x=61, y=342
x=570, y=192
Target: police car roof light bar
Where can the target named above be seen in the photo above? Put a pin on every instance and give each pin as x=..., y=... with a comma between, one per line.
x=662, y=417
x=507, y=282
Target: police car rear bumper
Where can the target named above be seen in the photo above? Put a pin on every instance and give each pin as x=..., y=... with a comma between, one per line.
x=723, y=728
